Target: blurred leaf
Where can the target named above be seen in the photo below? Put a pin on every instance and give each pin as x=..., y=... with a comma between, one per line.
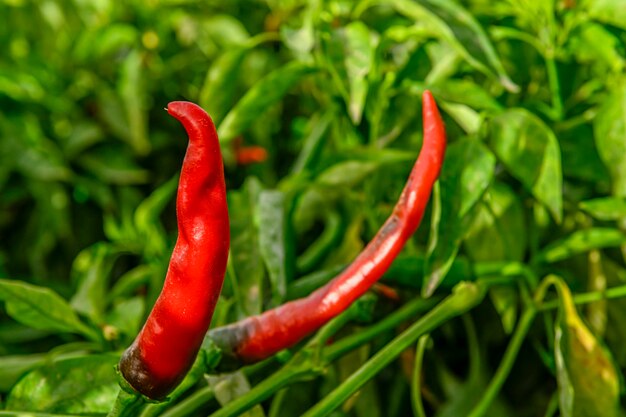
x=21, y=86
x=127, y=316
x=606, y=208
x=580, y=241
x=268, y=91
x=218, y=90
x=245, y=252
x=228, y=387
x=270, y=213
x=111, y=166
x=530, y=152
x=588, y=380
x=13, y=367
x=594, y=44
x=609, y=130
x=83, y=385
x=360, y=45
x=506, y=301
x=132, y=91
x=314, y=141
x=596, y=312
x=607, y=11
x=466, y=174
x=498, y=231
x=147, y=218
x=91, y=269
x=466, y=117
x=457, y=26
x=40, y=308
x=465, y=92
x=346, y=174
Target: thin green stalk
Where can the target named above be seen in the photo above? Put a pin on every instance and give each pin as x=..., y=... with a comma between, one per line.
x=191, y=404
x=127, y=404
x=265, y=389
x=588, y=297
x=33, y=414
x=277, y=403
x=553, y=405
x=555, y=88
x=349, y=343
x=319, y=249
x=416, y=384
x=464, y=297
x=506, y=364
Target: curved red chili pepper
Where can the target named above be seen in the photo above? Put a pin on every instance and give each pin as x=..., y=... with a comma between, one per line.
x=167, y=345
x=258, y=337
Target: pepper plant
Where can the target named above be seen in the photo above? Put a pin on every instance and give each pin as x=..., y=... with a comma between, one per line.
x=508, y=301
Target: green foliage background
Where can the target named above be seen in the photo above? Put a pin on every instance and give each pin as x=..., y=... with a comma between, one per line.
x=533, y=95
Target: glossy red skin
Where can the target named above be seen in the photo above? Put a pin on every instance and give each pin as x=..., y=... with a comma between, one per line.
x=167, y=345
x=259, y=337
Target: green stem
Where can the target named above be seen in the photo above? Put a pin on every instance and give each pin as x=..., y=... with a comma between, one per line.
x=127, y=404
x=265, y=389
x=416, y=385
x=195, y=374
x=506, y=364
x=555, y=88
x=588, y=297
x=191, y=404
x=464, y=297
x=349, y=343
x=319, y=249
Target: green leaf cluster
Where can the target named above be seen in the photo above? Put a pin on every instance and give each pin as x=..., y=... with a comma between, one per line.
x=532, y=196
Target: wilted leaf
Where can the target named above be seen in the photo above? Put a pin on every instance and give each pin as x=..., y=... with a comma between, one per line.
x=587, y=378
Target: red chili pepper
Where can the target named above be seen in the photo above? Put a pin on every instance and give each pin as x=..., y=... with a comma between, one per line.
x=258, y=337
x=248, y=155
x=167, y=345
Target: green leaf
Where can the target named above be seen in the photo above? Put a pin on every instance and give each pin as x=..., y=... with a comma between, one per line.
x=605, y=208
x=132, y=92
x=83, y=385
x=41, y=308
x=270, y=213
x=268, y=91
x=466, y=174
x=91, y=269
x=127, y=316
x=530, y=152
x=13, y=367
x=246, y=258
x=580, y=241
x=218, y=90
x=607, y=11
x=465, y=92
x=594, y=44
x=147, y=218
x=359, y=46
x=587, y=378
x=498, y=231
x=346, y=174
x=454, y=24
x=609, y=128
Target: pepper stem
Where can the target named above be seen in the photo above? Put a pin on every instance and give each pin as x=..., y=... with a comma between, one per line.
x=127, y=404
